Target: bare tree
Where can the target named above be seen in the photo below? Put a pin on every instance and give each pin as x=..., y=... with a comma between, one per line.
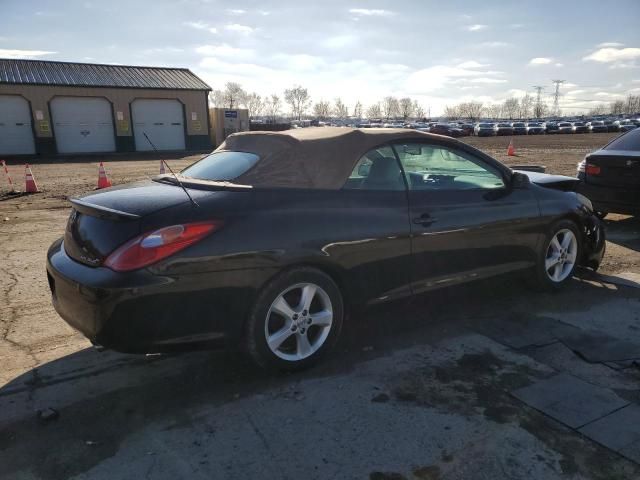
x=526, y=106
x=322, y=109
x=272, y=105
x=298, y=99
x=254, y=104
x=233, y=95
x=405, y=107
x=471, y=110
x=216, y=98
x=510, y=108
x=357, y=109
x=617, y=107
x=632, y=104
x=600, y=109
x=374, y=111
x=340, y=110
x=390, y=107
x=493, y=111
x=418, y=111
x=452, y=112
x=540, y=109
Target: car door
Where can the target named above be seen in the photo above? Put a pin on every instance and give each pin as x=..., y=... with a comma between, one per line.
x=375, y=245
x=467, y=222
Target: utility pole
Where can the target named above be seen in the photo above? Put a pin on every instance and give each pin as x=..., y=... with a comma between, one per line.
x=538, y=109
x=556, y=96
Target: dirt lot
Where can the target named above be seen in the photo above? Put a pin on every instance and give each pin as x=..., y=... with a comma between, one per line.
x=410, y=399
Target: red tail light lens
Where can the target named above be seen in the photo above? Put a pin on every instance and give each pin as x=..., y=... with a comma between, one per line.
x=592, y=169
x=152, y=247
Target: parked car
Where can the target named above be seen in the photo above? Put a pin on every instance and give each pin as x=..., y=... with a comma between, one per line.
x=597, y=126
x=253, y=245
x=448, y=130
x=565, y=127
x=610, y=177
x=580, y=127
x=504, y=129
x=627, y=125
x=519, y=128
x=485, y=129
x=612, y=126
x=535, y=128
x=467, y=128
x=552, y=127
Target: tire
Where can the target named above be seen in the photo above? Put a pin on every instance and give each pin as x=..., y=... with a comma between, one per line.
x=288, y=324
x=559, y=273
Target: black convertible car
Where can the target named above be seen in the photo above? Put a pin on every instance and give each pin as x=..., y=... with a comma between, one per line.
x=269, y=241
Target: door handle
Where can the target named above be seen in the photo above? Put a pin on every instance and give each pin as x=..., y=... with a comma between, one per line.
x=425, y=220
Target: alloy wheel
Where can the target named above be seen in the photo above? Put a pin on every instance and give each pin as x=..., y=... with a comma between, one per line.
x=562, y=254
x=298, y=322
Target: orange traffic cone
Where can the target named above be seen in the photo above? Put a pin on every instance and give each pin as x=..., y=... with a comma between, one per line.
x=162, y=171
x=6, y=173
x=30, y=182
x=103, y=181
x=511, y=151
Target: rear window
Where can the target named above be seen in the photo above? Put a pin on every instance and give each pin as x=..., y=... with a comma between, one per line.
x=629, y=141
x=221, y=166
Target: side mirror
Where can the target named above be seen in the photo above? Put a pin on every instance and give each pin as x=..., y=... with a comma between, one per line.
x=519, y=180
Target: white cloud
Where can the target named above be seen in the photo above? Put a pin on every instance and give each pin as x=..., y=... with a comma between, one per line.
x=477, y=27
x=559, y=64
x=610, y=44
x=299, y=62
x=371, y=12
x=570, y=85
x=516, y=26
x=611, y=54
x=224, y=50
x=162, y=50
x=437, y=77
x=339, y=41
x=6, y=53
x=472, y=64
x=213, y=30
x=608, y=94
x=196, y=25
x=235, y=11
x=487, y=80
x=242, y=29
x=540, y=61
x=495, y=44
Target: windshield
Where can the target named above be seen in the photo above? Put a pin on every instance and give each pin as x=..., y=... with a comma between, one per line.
x=629, y=142
x=486, y=125
x=222, y=166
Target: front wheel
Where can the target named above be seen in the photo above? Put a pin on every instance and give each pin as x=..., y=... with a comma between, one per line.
x=559, y=256
x=296, y=320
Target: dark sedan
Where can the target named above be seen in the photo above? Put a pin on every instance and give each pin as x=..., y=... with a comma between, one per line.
x=269, y=241
x=448, y=130
x=580, y=127
x=610, y=177
x=519, y=128
x=504, y=129
x=598, y=126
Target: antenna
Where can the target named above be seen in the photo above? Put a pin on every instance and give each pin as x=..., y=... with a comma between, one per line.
x=171, y=170
x=556, y=96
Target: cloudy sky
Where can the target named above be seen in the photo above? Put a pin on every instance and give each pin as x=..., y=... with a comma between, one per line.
x=437, y=52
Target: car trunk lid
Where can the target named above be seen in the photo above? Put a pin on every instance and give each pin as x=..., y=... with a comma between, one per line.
x=102, y=221
x=613, y=168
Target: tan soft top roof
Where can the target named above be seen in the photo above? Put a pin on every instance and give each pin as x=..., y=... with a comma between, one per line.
x=314, y=157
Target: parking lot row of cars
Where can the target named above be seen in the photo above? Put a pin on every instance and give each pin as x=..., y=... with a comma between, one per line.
x=489, y=128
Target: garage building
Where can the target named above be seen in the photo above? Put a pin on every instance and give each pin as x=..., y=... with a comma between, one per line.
x=67, y=108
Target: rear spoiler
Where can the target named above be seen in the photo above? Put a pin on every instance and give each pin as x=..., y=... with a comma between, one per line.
x=100, y=211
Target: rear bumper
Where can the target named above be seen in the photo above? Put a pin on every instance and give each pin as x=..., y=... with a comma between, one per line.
x=611, y=199
x=140, y=312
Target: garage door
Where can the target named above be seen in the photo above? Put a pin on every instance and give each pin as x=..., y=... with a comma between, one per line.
x=161, y=120
x=16, y=134
x=82, y=124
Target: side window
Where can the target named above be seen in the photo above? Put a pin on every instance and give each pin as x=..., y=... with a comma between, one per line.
x=377, y=169
x=434, y=167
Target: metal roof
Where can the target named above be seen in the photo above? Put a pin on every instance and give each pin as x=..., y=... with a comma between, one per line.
x=39, y=72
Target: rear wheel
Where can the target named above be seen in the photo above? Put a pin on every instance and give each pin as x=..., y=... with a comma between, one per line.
x=296, y=320
x=559, y=256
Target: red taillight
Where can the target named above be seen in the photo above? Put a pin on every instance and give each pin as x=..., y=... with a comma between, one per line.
x=152, y=247
x=592, y=169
